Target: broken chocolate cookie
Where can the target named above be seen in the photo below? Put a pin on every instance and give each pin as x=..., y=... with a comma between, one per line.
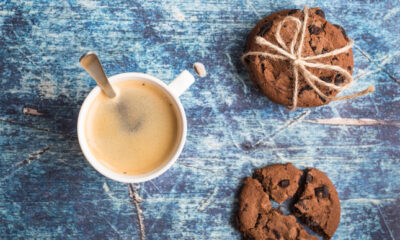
x=315, y=203
x=253, y=201
x=318, y=205
x=274, y=225
x=281, y=181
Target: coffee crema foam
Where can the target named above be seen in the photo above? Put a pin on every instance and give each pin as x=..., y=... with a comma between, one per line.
x=135, y=132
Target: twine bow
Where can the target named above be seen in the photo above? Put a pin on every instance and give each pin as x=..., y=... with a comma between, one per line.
x=300, y=63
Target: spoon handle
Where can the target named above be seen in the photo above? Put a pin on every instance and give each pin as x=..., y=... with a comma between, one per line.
x=91, y=63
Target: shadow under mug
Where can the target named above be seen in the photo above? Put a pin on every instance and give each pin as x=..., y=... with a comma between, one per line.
x=178, y=86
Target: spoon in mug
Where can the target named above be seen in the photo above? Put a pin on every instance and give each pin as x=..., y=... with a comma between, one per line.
x=91, y=63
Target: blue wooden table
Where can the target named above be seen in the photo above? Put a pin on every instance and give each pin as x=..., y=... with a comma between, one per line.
x=47, y=188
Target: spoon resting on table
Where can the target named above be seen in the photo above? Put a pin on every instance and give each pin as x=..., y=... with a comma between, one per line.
x=91, y=63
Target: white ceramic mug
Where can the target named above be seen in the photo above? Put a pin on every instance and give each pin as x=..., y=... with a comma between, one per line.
x=173, y=90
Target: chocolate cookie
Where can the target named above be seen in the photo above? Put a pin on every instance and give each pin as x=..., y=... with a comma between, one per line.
x=275, y=76
x=253, y=201
x=281, y=181
x=318, y=205
x=275, y=225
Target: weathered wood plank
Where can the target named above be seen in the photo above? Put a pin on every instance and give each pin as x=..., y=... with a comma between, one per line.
x=48, y=189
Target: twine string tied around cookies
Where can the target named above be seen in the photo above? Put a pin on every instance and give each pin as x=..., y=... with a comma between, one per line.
x=300, y=63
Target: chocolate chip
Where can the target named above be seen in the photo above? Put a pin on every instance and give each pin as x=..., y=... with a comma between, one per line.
x=335, y=59
x=339, y=79
x=276, y=233
x=284, y=183
x=307, y=198
x=341, y=29
x=262, y=58
x=304, y=89
x=326, y=79
x=322, y=191
x=347, y=54
x=313, y=48
x=322, y=99
x=247, y=60
x=349, y=68
x=264, y=189
x=293, y=11
x=324, y=51
x=262, y=67
x=309, y=178
x=258, y=220
x=265, y=28
x=245, y=207
x=320, y=13
x=314, y=29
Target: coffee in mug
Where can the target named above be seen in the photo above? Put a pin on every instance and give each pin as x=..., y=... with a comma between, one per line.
x=135, y=132
x=139, y=134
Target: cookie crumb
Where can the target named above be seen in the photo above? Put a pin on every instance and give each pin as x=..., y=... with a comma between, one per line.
x=31, y=111
x=199, y=69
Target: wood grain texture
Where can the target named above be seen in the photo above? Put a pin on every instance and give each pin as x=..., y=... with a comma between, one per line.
x=48, y=190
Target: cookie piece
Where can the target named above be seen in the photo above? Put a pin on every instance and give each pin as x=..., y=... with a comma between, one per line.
x=275, y=77
x=253, y=201
x=281, y=181
x=318, y=205
x=275, y=225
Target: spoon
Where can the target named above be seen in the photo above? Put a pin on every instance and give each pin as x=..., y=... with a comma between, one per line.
x=91, y=63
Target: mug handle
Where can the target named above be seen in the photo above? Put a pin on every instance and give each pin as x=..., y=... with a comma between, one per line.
x=181, y=83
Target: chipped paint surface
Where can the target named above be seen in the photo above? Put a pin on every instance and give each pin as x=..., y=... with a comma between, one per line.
x=47, y=188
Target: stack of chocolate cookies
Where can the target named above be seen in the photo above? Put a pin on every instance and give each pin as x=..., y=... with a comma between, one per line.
x=275, y=77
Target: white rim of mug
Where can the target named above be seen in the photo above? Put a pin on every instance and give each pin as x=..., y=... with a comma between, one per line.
x=100, y=167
